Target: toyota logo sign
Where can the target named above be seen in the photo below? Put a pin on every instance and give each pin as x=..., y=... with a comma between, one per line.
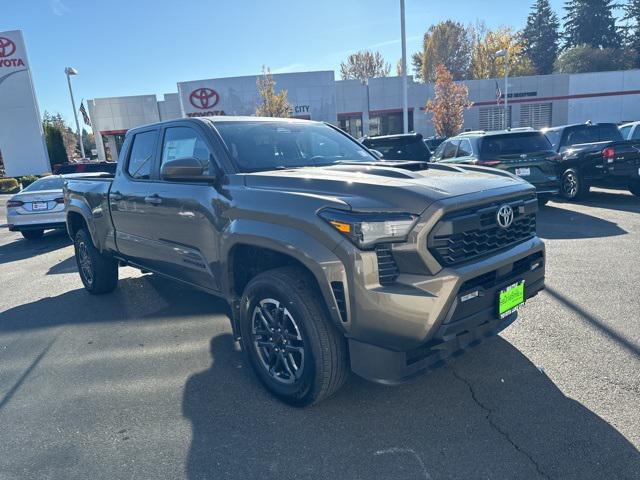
x=204, y=98
x=7, y=47
x=504, y=217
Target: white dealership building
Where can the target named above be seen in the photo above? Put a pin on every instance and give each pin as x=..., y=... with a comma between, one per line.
x=536, y=101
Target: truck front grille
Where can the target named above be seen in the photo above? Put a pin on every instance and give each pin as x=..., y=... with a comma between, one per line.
x=387, y=268
x=467, y=235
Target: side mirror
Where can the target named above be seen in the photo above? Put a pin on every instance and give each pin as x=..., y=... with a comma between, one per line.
x=377, y=153
x=186, y=169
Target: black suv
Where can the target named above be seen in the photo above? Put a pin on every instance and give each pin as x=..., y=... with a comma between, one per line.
x=406, y=146
x=527, y=154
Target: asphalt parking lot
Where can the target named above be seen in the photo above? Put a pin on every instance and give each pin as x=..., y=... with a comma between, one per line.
x=146, y=383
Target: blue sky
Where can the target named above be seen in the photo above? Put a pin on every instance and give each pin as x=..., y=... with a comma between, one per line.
x=140, y=46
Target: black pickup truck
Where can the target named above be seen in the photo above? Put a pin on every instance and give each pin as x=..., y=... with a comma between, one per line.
x=595, y=154
x=327, y=256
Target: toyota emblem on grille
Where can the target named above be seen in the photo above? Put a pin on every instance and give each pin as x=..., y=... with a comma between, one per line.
x=504, y=217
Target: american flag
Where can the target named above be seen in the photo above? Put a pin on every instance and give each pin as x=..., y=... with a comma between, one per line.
x=85, y=115
x=498, y=93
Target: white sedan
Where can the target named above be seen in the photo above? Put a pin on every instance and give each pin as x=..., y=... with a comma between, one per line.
x=38, y=207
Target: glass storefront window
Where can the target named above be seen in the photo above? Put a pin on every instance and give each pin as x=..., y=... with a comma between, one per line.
x=117, y=140
x=388, y=123
x=352, y=124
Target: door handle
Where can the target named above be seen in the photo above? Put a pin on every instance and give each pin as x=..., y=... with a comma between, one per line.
x=153, y=199
x=115, y=196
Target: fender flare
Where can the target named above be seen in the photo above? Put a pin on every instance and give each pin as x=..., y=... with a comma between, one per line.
x=317, y=258
x=81, y=208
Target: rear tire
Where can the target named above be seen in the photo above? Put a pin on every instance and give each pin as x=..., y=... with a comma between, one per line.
x=542, y=201
x=98, y=272
x=572, y=185
x=284, y=325
x=635, y=188
x=32, y=234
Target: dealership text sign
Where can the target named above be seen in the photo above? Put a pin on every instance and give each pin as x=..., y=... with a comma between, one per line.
x=22, y=142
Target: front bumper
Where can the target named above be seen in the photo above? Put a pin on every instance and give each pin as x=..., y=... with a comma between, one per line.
x=466, y=323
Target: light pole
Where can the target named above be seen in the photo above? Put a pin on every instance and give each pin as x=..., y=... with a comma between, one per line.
x=405, y=108
x=366, y=125
x=72, y=71
x=505, y=53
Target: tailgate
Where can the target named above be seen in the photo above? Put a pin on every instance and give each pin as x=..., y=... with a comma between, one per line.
x=625, y=160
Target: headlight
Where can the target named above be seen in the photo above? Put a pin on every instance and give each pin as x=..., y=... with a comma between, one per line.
x=367, y=229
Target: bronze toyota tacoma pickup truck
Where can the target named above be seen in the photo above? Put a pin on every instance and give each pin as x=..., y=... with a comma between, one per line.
x=328, y=257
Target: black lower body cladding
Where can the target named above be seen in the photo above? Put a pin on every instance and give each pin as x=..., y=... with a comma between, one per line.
x=472, y=318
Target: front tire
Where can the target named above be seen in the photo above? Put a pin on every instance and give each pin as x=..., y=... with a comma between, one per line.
x=98, y=272
x=292, y=345
x=573, y=186
x=32, y=234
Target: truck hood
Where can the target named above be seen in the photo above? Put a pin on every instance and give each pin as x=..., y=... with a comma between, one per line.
x=385, y=186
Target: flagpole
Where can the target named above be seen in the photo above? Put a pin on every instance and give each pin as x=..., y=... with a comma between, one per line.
x=68, y=72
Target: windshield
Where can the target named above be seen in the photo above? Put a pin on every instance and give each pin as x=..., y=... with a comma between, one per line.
x=47, y=183
x=554, y=137
x=399, y=148
x=514, y=144
x=257, y=146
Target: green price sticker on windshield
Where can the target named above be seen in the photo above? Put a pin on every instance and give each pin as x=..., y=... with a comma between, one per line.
x=510, y=298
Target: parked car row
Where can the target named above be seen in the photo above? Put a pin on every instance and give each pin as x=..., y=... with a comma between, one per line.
x=565, y=160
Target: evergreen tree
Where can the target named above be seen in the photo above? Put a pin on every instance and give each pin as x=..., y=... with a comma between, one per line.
x=591, y=22
x=632, y=29
x=541, y=36
x=54, y=139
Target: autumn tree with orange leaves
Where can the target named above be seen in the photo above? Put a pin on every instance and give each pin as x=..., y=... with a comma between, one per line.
x=448, y=106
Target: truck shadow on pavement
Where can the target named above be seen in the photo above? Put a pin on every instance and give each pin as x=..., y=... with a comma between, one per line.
x=139, y=299
x=490, y=414
x=22, y=249
x=557, y=223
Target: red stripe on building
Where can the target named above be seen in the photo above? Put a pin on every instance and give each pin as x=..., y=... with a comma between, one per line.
x=113, y=132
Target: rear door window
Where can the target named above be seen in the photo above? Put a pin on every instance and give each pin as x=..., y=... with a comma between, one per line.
x=636, y=133
x=141, y=156
x=450, y=148
x=464, y=149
